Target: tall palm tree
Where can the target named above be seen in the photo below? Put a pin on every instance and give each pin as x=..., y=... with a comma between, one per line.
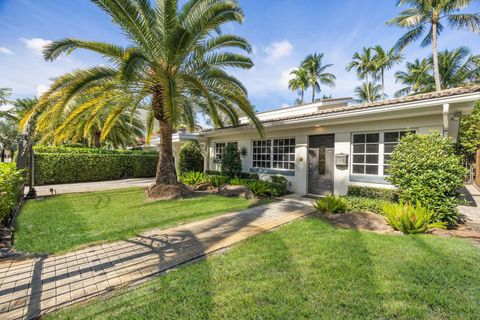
x=175, y=60
x=364, y=64
x=300, y=82
x=368, y=92
x=428, y=15
x=383, y=61
x=416, y=78
x=317, y=74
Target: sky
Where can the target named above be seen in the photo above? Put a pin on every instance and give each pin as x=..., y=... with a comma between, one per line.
x=282, y=33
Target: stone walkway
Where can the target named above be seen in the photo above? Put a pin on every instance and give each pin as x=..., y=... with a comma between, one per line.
x=471, y=211
x=93, y=186
x=32, y=287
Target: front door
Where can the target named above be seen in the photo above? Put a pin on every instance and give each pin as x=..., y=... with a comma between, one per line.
x=321, y=156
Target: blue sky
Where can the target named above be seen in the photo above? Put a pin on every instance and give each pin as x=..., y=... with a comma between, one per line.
x=282, y=33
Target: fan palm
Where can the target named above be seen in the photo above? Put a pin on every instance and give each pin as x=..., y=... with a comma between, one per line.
x=427, y=16
x=299, y=82
x=175, y=61
x=368, y=92
x=317, y=74
x=364, y=64
x=385, y=60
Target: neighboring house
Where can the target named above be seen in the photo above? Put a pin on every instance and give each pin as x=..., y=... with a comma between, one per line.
x=325, y=146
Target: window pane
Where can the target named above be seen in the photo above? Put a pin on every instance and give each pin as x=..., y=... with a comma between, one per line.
x=389, y=147
x=359, y=148
x=358, y=158
x=372, y=159
x=391, y=137
x=372, y=148
x=358, y=169
x=373, y=137
x=358, y=138
x=371, y=169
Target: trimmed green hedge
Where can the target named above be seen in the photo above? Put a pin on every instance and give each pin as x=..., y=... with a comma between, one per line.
x=53, y=168
x=76, y=150
x=11, y=180
x=373, y=193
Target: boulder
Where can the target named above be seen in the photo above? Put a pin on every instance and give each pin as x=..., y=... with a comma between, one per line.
x=228, y=190
x=168, y=192
x=203, y=186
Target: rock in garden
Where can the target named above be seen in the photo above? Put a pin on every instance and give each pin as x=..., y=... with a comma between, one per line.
x=228, y=190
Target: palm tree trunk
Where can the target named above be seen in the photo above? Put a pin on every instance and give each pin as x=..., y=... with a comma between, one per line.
x=383, y=84
x=436, y=70
x=368, y=87
x=303, y=94
x=165, y=174
x=313, y=93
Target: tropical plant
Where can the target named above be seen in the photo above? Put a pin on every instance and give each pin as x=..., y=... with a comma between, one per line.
x=193, y=178
x=259, y=188
x=368, y=92
x=190, y=158
x=410, y=219
x=9, y=136
x=175, y=61
x=363, y=204
x=427, y=16
x=469, y=134
x=278, y=186
x=4, y=95
x=384, y=60
x=331, y=204
x=300, y=82
x=416, y=79
x=364, y=64
x=426, y=168
x=10, y=182
x=316, y=73
x=217, y=180
x=231, y=164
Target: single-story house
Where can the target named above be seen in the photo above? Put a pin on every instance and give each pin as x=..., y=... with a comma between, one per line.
x=324, y=147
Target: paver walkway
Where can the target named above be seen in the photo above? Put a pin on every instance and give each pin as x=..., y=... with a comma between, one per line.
x=471, y=211
x=93, y=186
x=33, y=287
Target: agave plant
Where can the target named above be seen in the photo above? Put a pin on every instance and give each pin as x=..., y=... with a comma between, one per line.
x=331, y=204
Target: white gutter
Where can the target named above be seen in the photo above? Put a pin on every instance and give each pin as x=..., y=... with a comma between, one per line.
x=446, y=112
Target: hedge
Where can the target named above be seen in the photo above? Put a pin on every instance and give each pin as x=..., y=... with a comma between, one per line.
x=53, y=168
x=78, y=150
x=11, y=180
x=373, y=193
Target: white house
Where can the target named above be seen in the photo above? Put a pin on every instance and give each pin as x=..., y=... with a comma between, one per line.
x=326, y=146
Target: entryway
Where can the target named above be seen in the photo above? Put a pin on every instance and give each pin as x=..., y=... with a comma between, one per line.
x=321, y=157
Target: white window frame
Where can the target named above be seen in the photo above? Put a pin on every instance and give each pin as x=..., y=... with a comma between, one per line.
x=271, y=154
x=218, y=160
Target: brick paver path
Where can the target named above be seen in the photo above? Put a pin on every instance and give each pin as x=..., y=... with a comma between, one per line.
x=472, y=210
x=33, y=287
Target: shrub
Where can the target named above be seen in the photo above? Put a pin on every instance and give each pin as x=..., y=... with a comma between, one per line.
x=82, y=150
x=330, y=204
x=278, y=186
x=193, y=178
x=410, y=219
x=217, y=180
x=259, y=188
x=11, y=180
x=231, y=162
x=373, y=193
x=425, y=169
x=53, y=168
x=242, y=175
x=360, y=204
x=190, y=158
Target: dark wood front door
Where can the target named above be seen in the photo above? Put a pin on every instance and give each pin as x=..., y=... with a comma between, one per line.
x=321, y=156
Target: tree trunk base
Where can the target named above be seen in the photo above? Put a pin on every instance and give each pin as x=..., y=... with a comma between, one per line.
x=168, y=191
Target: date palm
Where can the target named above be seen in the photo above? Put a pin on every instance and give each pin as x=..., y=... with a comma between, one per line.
x=175, y=61
x=364, y=64
x=383, y=61
x=317, y=74
x=427, y=17
x=368, y=92
x=299, y=82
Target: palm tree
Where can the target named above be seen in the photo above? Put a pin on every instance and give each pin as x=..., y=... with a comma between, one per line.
x=364, y=64
x=175, y=61
x=385, y=60
x=368, y=92
x=427, y=15
x=317, y=74
x=300, y=82
x=416, y=79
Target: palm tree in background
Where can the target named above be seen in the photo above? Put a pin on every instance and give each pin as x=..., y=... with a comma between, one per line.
x=427, y=16
x=383, y=61
x=368, y=92
x=364, y=64
x=175, y=61
x=456, y=67
x=317, y=74
x=299, y=82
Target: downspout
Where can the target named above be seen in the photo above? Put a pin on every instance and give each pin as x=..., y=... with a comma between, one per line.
x=446, y=112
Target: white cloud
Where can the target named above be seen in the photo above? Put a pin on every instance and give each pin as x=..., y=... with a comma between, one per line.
x=277, y=50
x=285, y=78
x=36, y=44
x=285, y=105
x=41, y=89
x=4, y=50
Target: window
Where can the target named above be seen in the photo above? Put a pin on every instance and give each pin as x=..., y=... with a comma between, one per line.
x=275, y=153
x=220, y=147
x=371, y=152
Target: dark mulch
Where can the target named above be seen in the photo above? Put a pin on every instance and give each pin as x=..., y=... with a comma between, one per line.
x=359, y=221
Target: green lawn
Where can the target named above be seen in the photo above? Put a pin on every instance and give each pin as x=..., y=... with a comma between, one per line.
x=64, y=222
x=310, y=270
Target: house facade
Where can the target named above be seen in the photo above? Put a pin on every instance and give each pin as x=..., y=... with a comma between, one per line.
x=326, y=146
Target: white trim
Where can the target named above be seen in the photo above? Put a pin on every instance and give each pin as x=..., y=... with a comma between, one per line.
x=271, y=153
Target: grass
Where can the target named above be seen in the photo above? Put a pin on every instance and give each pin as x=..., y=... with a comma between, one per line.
x=310, y=270
x=64, y=222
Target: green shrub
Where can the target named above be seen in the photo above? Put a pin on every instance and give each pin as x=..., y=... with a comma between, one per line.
x=425, y=168
x=278, y=186
x=82, y=150
x=330, y=204
x=259, y=188
x=54, y=168
x=360, y=204
x=410, y=219
x=231, y=165
x=242, y=175
x=193, y=178
x=11, y=180
x=217, y=180
x=190, y=158
x=373, y=193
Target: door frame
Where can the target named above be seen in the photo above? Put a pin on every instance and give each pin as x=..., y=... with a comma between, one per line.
x=308, y=161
